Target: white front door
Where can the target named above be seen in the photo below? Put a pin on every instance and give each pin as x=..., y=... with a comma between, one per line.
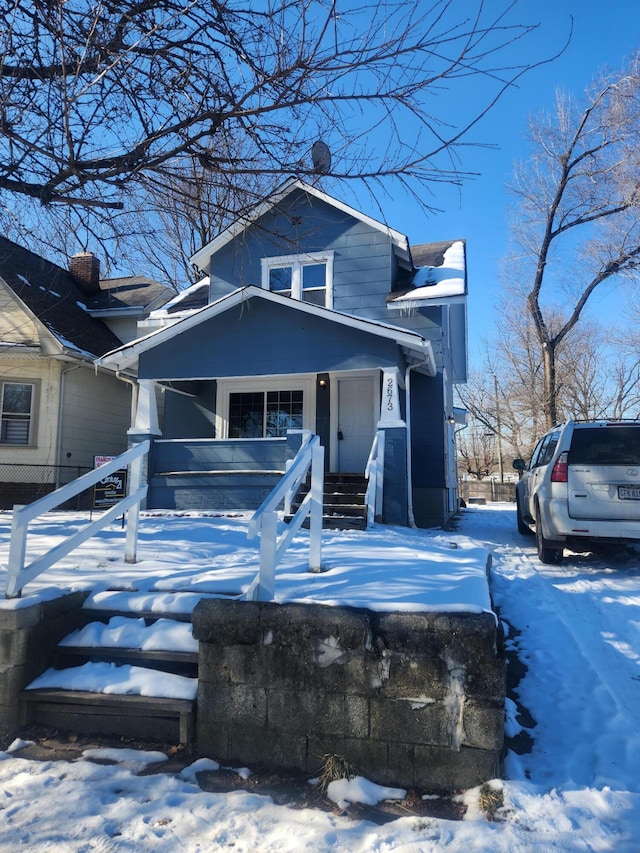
x=357, y=417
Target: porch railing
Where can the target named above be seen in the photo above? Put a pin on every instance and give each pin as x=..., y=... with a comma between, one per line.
x=19, y=574
x=265, y=519
x=374, y=472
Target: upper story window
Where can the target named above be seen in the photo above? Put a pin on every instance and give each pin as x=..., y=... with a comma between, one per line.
x=16, y=410
x=307, y=277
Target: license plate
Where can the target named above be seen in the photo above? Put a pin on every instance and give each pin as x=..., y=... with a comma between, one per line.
x=629, y=493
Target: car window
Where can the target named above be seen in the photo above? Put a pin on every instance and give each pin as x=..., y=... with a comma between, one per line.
x=545, y=449
x=546, y=454
x=536, y=453
x=614, y=445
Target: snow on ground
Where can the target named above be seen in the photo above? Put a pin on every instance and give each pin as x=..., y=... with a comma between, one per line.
x=576, y=627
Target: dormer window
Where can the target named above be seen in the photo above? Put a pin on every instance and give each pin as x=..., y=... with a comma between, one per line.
x=307, y=277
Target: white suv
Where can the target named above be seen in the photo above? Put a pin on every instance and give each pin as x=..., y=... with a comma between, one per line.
x=581, y=486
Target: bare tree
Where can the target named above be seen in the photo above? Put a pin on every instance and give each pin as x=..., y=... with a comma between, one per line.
x=477, y=455
x=168, y=224
x=99, y=98
x=597, y=376
x=578, y=220
x=504, y=394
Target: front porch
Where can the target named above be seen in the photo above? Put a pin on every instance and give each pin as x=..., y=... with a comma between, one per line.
x=358, y=423
x=239, y=474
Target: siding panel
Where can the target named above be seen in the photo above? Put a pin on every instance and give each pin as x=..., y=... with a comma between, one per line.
x=261, y=339
x=97, y=414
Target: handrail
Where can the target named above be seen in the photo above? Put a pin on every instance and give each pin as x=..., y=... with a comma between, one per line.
x=294, y=486
x=18, y=575
x=374, y=472
x=265, y=519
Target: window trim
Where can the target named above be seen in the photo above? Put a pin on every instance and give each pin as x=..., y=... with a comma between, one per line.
x=32, y=419
x=297, y=262
x=285, y=382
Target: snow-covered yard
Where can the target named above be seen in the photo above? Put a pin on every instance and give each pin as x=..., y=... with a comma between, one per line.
x=575, y=626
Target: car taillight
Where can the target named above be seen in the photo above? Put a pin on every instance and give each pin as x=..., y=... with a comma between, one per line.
x=560, y=473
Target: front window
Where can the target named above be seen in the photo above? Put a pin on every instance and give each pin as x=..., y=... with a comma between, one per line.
x=308, y=277
x=260, y=414
x=16, y=405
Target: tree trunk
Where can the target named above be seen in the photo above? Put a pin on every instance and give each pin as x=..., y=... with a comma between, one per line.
x=550, y=384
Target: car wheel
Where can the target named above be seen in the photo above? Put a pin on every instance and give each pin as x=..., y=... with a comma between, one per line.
x=522, y=527
x=547, y=553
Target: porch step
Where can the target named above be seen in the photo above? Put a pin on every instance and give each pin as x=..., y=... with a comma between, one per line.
x=134, y=647
x=144, y=717
x=179, y=663
x=344, y=522
x=344, y=506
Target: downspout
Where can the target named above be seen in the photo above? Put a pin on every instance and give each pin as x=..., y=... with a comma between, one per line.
x=63, y=377
x=135, y=388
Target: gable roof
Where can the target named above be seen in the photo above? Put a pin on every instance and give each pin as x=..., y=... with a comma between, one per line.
x=50, y=295
x=125, y=357
x=202, y=258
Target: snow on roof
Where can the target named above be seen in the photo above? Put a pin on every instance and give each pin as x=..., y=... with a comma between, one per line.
x=194, y=296
x=442, y=281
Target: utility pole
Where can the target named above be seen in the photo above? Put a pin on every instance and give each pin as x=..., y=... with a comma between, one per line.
x=498, y=429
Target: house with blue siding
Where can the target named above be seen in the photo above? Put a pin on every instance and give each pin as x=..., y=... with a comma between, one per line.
x=310, y=316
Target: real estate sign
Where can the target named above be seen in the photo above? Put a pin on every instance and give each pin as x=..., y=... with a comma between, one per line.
x=112, y=488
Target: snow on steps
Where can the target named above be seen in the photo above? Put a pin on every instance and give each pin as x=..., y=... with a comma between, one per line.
x=133, y=673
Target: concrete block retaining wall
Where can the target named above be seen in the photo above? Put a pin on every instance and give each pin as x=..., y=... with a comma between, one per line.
x=409, y=699
x=28, y=636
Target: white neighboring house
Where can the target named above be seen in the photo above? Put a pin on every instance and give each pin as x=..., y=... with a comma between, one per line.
x=57, y=412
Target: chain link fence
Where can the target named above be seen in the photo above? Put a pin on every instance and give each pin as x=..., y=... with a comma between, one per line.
x=22, y=484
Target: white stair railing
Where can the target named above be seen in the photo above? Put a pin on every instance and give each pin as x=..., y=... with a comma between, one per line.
x=18, y=574
x=265, y=519
x=374, y=472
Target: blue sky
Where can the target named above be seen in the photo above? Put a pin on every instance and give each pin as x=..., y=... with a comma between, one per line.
x=604, y=34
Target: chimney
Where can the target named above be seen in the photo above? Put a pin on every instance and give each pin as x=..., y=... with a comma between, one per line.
x=85, y=268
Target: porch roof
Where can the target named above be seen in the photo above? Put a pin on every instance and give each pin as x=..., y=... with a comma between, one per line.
x=125, y=358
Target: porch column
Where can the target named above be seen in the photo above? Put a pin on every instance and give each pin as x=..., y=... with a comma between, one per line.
x=146, y=421
x=395, y=487
x=145, y=426
x=390, y=400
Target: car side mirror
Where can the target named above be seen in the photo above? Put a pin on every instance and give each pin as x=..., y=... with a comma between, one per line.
x=519, y=464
